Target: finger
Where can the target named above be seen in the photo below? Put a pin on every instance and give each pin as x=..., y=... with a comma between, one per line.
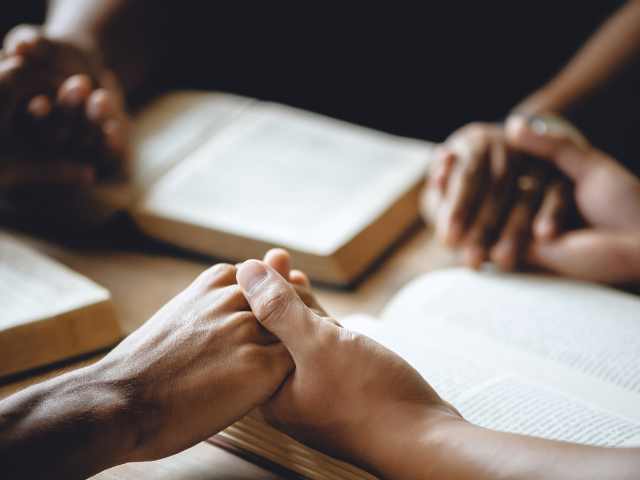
x=104, y=110
x=514, y=237
x=74, y=91
x=25, y=40
x=280, y=260
x=439, y=176
x=432, y=196
x=277, y=306
x=296, y=277
x=309, y=299
x=485, y=226
x=547, y=222
x=102, y=105
x=65, y=127
x=18, y=84
x=39, y=107
x=219, y=275
x=512, y=242
x=574, y=159
x=596, y=255
x=115, y=135
x=15, y=173
x=464, y=185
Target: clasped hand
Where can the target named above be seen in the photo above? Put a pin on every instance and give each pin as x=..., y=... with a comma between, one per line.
x=476, y=198
x=266, y=341
x=62, y=112
x=238, y=338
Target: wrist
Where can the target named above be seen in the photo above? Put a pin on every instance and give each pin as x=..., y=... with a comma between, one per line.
x=79, y=424
x=85, y=44
x=101, y=412
x=406, y=442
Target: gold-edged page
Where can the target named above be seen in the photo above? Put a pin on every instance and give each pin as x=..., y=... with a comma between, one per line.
x=290, y=178
x=33, y=286
x=164, y=132
x=254, y=435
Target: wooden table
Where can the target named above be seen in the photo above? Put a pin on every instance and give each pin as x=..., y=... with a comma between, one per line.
x=141, y=282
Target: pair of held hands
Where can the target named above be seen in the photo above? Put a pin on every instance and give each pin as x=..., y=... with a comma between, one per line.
x=63, y=120
x=203, y=362
x=475, y=201
x=63, y=117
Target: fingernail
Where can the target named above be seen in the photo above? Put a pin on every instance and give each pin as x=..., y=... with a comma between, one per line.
x=250, y=275
x=94, y=110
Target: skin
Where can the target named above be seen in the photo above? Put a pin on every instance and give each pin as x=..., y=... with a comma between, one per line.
x=219, y=349
x=352, y=398
x=63, y=86
x=607, y=197
x=199, y=364
x=471, y=197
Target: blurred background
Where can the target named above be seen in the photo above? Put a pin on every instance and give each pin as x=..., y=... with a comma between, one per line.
x=414, y=68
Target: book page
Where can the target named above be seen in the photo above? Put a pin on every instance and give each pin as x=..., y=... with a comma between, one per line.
x=290, y=178
x=494, y=397
x=34, y=287
x=578, y=337
x=166, y=131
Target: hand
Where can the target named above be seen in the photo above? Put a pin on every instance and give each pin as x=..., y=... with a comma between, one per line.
x=349, y=396
x=486, y=197
x=607, y=197
x=198, y=365
x=57, y=103
x=223, y=363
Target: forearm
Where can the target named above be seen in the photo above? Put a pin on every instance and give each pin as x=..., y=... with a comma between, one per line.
x=73, y=426
x=609, y=54
x=457, y=450
x=128, y=34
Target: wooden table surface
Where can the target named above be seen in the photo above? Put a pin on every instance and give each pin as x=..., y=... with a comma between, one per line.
x=143, y=281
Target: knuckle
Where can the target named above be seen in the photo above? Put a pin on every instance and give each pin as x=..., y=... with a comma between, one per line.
x=251, y=354
x=243, y=324
x=274, y=306
x=219, y=274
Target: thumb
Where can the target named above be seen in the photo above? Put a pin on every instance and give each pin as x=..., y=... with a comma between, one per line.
x=277, y=306
x=562, y=144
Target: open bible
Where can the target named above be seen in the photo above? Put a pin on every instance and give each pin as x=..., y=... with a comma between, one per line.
x=231, y=177
x=48, y=312
x=528, y=354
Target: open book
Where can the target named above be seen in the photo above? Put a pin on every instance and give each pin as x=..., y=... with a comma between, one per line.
x=231, y=177
x=48, y=312
x=528, y=354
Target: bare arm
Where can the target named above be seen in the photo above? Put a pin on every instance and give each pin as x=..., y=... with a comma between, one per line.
x=457, y=450
x=364, y=404
x=129, y=34
x=612, y=52
x=76, y=425
x=473, y=187
x=190, y=371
